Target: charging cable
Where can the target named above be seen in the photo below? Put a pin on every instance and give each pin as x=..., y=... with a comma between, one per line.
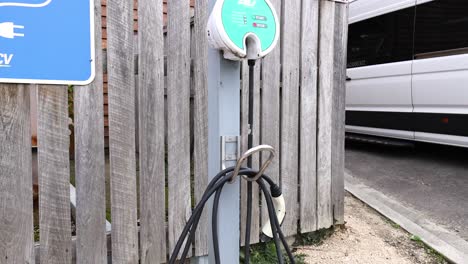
x=215, y=187
x=274, y=199
x=7, y=30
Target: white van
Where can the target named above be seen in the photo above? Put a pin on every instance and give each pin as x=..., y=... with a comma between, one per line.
x=408, y=70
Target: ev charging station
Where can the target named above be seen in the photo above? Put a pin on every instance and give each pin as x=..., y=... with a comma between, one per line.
x=237, y=30
x=241, y=29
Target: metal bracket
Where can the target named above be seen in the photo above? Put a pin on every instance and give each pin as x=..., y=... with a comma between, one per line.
x=249, y=153
x=230, y=151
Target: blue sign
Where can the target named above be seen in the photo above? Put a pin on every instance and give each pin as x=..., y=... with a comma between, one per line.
x=47, y=41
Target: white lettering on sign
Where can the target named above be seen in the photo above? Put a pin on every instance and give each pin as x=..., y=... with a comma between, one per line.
x=247, y=2
x=5, y=60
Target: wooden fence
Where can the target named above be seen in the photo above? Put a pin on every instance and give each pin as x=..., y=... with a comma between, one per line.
x=299, y=109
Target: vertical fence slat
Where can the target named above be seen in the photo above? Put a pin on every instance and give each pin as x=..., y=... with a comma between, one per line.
x=136, y=51
x=339, y=96
x=325, y=106
x=90, y=180
x=290, y=112
x=16, y=201
x=255, y=226
x=308, y=116
x=151, y=130
x=244, y=126
x=244, y=108
x=122, y=131
x=200, y=155
x=178, y=100
x=54, y=175
x=256, y=131
x=270, y=109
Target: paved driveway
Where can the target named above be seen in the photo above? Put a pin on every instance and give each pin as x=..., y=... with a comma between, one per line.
x=431, y=179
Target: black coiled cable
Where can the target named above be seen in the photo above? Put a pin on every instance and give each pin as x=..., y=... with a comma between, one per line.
x=215, y=187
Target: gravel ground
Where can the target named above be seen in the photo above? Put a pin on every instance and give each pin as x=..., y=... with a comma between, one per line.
x=368, y=237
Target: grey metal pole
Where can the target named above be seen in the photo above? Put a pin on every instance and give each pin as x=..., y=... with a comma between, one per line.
x=224, y=100
x=224, y=120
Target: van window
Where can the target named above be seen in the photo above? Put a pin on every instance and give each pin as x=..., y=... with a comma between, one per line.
x=383, y=39
x=441, y=25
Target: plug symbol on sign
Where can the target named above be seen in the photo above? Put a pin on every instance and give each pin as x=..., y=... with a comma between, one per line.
x=25, y=3
x=7, y=30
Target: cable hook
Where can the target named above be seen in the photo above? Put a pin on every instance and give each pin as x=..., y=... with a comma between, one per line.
x=249, y=153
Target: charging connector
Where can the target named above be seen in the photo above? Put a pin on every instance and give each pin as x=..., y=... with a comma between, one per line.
x=7, y=30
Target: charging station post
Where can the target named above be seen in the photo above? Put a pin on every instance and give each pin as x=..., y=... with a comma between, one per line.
x=232, y=39
x=224, y=120
x=223, y=134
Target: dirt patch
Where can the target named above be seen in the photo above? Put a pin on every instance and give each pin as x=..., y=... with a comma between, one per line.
x=368, y=237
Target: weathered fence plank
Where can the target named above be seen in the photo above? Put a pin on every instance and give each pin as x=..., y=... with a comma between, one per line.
x=122, y=131
x=244, y=122
x=90, y=179
x=136, y=51
x=254, y=234
x=245, y=130
x=16, y=200
x=178, y=103
x=339, y=97
x=308, y=116
x=200, y=118
x=54, y=175
x=290, y=111
x=256, y=131
x=151, y=131
x=325, y=106
x=270, y=109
